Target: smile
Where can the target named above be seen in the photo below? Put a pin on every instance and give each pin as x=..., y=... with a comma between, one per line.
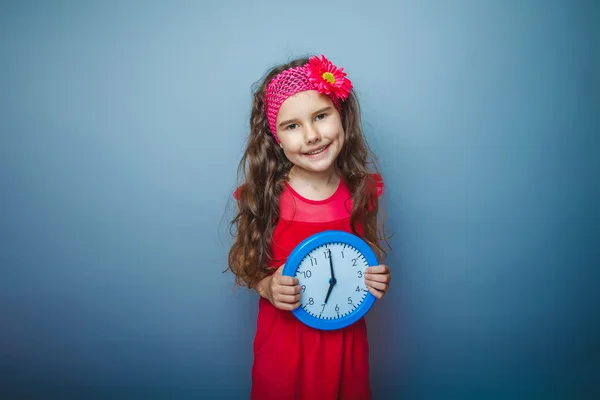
x=317, y=151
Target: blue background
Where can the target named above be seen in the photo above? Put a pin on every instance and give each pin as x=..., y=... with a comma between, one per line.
x=121, y=126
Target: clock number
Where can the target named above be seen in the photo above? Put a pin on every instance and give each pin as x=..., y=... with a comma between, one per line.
x=350, y=299
x=311, y=301
x=313, y=261
x=303, y=288
x=337, y=308
x=354, y=262
x=360, y=274
x=342, y=253
x=307, y=273
x=323, y=309
x=358, y=289
x=327, y=253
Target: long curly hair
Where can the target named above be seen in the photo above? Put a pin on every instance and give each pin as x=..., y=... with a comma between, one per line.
x=263, y=170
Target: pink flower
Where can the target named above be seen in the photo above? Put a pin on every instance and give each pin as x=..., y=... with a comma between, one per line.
x=328, y=78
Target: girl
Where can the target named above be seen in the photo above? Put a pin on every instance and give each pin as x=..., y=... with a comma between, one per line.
x=305, y=169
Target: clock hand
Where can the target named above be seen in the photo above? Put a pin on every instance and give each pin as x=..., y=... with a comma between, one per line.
x=332, y=281
x=328, y=292
x=331, y=267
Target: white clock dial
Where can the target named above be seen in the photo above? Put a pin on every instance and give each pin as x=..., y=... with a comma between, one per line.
x=346, y=291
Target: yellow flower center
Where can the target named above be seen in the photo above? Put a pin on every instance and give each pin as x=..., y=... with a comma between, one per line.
x=328, y=76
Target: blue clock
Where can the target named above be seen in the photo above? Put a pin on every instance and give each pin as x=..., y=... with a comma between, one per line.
x=330, y=267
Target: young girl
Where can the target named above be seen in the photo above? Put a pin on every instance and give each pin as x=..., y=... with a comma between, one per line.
x=305, y=170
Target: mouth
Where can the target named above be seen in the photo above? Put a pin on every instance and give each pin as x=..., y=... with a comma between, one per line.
x=317, y=151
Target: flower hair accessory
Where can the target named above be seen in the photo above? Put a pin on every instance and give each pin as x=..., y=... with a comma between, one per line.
x=327, y=78
x=318, y=74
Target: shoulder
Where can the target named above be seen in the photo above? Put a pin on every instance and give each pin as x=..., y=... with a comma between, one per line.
x=374, y=189
x=237, y=192
x=377, y=181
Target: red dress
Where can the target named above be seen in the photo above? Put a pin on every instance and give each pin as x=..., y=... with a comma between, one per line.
x=292, y=360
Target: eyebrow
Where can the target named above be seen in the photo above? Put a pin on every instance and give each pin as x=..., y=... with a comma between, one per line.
x=322, y=110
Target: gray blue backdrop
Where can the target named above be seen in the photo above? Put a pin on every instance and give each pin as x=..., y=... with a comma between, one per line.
x=121, y=126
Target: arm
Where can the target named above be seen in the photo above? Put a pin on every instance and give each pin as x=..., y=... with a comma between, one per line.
x=377, y=278
x=282, y=291
x=262, y=286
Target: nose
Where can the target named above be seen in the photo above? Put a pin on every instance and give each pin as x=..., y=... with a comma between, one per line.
x=311, y=135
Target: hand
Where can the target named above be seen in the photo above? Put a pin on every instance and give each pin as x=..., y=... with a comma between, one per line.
x=332, y=281
x=377, y=279
x=281, y=290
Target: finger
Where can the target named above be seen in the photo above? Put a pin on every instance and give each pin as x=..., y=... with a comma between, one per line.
x=279, y=270
x=377, y=285
x=375, y=292
x=287, y=306
x=378, y=277
x=377, y=269
x=285, y=280
x=292, y=290
x=287, y=298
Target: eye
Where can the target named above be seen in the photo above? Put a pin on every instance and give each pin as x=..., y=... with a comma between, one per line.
x=320, y=116
x=291, y=126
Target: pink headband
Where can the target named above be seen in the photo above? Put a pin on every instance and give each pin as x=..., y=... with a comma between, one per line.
x=318, y=74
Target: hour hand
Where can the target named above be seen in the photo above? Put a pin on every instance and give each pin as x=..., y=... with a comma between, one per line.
x=329, y=292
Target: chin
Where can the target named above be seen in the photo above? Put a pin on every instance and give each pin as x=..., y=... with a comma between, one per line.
x=320, y=167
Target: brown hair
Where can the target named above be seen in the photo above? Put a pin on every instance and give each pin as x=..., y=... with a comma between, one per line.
x=263, y=170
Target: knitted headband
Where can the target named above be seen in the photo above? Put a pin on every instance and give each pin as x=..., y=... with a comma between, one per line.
x=318, y=74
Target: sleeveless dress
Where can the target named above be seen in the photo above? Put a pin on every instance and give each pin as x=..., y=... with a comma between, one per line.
x=291, y=360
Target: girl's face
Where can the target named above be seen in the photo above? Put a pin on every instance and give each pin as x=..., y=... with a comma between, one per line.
x=310, y=131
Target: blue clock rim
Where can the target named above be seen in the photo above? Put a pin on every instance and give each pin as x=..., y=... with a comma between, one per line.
x=314, y=241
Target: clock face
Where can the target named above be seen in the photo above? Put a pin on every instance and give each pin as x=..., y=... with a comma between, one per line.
x=332, y=279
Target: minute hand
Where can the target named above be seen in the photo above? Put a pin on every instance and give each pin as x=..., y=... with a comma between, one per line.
x=331, y=267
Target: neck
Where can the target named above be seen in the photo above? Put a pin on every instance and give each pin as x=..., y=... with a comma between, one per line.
x=315, y=180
